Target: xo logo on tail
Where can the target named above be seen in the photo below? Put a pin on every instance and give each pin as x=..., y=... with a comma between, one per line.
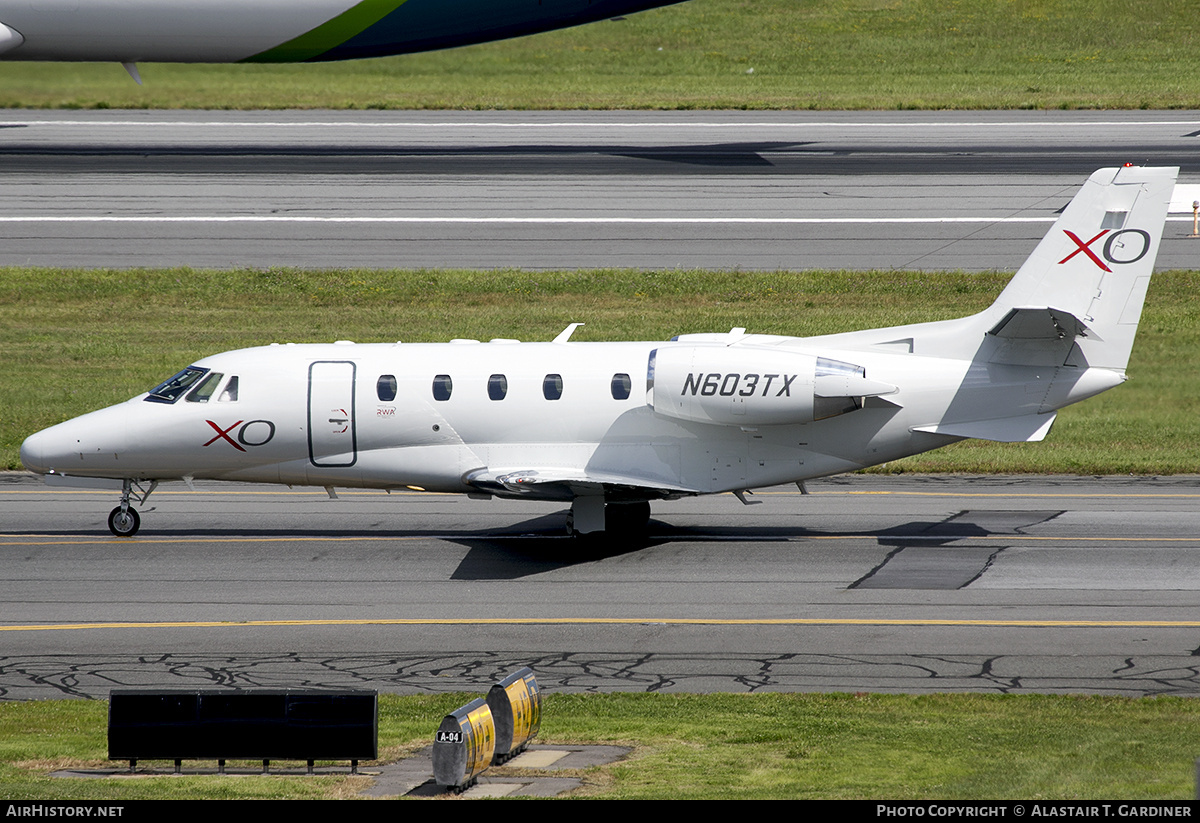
x=1111, y=248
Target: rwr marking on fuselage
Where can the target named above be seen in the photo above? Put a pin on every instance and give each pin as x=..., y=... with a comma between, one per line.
x=727, y=385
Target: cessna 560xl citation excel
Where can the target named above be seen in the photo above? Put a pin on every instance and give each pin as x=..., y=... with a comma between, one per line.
x=608, y=427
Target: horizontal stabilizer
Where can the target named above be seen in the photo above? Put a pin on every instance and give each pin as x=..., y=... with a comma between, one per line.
x=1041, y=324
x=1028, y=428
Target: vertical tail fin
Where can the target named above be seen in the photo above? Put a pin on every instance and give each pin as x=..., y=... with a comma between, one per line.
x=1063, y=328
x=1087, y=279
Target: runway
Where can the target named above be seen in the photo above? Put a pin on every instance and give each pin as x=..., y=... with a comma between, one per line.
x=537, y=190
x=869, y=583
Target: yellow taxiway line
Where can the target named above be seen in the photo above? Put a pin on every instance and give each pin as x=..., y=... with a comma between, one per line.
x=613, y=621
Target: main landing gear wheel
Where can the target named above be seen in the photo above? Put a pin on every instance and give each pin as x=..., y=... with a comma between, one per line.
x=124, y=523
x=627, y=519
x=592, y=517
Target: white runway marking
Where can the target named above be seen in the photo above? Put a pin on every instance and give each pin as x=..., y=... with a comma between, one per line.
x=279, y=218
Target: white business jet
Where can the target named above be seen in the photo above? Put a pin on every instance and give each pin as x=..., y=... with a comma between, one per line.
x=608, y=427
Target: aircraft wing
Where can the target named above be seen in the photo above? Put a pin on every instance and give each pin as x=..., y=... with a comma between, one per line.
x=566, y=484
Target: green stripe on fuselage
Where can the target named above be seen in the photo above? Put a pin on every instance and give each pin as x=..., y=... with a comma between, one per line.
x=329, y=34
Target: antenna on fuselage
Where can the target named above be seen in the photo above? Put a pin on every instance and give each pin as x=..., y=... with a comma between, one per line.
x=565, y=334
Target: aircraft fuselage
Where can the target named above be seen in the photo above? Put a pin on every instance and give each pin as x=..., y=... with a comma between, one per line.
x=467, y=416
x=231, y=31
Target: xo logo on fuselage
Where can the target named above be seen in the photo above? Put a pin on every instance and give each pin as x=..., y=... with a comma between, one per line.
x=252, y=433
x=1112, y=247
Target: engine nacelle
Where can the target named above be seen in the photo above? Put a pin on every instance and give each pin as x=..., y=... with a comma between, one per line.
x=748, y=386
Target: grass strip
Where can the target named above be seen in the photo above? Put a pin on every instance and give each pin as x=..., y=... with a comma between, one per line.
x=76, y=340
x=718, y=54
x=940, y=746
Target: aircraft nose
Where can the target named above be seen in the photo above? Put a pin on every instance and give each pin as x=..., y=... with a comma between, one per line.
x=83, y=446
x=33, y=453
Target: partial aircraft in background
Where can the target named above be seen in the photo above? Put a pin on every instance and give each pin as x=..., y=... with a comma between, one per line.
x=276, y=31
x=608, y=427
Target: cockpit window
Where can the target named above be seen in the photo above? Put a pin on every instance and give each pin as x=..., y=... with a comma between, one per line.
x=171, y=390
x=230, y=393
x=205, y=390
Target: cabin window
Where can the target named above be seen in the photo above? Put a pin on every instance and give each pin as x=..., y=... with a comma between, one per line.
x=206, y=389
x=621, y=386
x=175, y=387
x=385, y=389
x=552, y=386
x=442, y=386
x=229, y=395
x=497, y=386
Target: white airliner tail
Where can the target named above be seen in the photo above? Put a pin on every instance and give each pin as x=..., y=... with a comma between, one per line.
x=1078, y=297
x=1087, y=279
x=1063, y=328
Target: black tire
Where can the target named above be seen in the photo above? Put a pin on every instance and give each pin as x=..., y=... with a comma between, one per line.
x=627, y=519
x=124, y=524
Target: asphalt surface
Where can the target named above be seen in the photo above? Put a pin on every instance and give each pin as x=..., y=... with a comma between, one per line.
x=725, y=190
x=885, y=584
x=906, y=584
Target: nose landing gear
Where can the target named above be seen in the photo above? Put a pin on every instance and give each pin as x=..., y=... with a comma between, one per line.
x=124, y=521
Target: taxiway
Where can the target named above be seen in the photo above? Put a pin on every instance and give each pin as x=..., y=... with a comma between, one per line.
x=869, y=583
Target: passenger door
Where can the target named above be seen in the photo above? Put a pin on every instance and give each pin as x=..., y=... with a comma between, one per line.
x=332, y=437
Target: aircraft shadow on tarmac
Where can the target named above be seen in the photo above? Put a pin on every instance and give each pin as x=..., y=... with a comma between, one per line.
x=787, y=157
x=934, y=555
x=924, y=554
x=448, y=159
